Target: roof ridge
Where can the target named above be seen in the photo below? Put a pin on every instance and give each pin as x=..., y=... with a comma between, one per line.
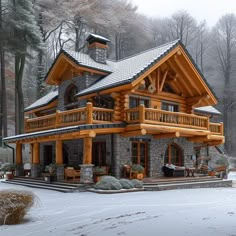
x=150, y=49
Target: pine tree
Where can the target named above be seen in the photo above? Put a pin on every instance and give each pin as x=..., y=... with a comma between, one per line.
x=25, y=34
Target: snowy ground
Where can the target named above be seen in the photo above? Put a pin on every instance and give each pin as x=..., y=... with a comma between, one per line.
x=166, y=213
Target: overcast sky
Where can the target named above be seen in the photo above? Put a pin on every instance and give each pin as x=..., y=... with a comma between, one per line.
x=209, y=10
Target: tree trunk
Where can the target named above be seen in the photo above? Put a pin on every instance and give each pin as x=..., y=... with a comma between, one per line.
x=3, y=94
x=19, y=98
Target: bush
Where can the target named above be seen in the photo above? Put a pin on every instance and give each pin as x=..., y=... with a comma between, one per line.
x=14, y=205
x=8, y=167
x=136, y=183
x=126, y=184
x=137, y=168
x=108, y=183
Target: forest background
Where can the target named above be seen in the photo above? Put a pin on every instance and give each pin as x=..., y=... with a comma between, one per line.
x=32, y=32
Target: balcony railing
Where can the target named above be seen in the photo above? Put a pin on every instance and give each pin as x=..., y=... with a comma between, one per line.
x=160, y=117
x=96, y=115
x=84, y=115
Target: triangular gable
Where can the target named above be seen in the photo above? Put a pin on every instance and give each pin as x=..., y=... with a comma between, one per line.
x=69, y=64
x=173, y=65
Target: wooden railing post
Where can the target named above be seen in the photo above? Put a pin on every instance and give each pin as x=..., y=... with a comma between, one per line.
x=141, y=113
x=208, y=124
x=58, y=120
x=89, y=107
x=221, y=128
x=26, y=124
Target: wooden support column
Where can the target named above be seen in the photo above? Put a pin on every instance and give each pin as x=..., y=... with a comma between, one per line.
x=18, y=153
x=36, y=159
x=59, y=153
x=87, y=158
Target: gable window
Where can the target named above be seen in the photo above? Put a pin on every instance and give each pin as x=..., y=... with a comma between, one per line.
x=169, y=106
x=70, y=100
x=136, y=101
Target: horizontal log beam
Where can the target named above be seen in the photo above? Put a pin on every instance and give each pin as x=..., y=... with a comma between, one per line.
x=215, y=143
x=199, y=138
x=167, y=135
x=134, y=133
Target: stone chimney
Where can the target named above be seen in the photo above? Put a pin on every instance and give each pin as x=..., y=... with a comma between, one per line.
x=97, y=48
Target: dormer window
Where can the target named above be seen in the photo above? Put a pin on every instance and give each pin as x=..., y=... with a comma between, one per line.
x=71, y=101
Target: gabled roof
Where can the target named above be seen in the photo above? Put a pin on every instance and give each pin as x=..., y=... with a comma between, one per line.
x=45, y=100
x=85, y=60
x=128, y=69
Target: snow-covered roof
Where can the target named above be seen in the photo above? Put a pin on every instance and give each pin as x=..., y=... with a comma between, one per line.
x=208, y=109
x=96, y=36
x=85, y=60
x=126, y=70
x=43, y=101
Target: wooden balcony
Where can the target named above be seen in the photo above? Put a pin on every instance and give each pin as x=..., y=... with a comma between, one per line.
x=138, y=115
x=84, y=115
x=176, y=119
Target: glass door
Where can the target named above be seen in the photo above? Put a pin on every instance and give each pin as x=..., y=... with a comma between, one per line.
x=139, y=154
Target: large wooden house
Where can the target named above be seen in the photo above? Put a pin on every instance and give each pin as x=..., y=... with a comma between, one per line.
x=151, y=108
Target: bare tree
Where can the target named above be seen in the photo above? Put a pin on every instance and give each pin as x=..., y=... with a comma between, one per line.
x=225, y=45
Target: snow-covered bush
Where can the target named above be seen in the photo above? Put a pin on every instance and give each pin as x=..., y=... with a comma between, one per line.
x=126, y=184
x=136, y=183
x=108, y=183
x=14, y=205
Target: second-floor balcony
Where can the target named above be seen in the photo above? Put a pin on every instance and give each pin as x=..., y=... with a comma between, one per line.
x=137, y=115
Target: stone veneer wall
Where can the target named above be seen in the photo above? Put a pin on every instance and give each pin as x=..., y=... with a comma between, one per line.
x=98, y=54
x=81, y=82
x=156, y=151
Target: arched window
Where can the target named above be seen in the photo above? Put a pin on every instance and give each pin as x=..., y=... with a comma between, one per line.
x=174, y=155
x=70, y=100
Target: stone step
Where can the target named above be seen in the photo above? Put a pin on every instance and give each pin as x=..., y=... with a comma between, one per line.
x=33, y=180
x=188, y=185
x=180, y=180
x=56, y=186
x=63, y=190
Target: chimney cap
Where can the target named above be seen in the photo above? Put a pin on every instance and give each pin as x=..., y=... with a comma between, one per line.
x=97, y=38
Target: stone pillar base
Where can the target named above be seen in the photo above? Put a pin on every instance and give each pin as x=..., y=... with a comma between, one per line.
x=19, y=170
x=60, y=172
x=35, y=170
x=86, y=173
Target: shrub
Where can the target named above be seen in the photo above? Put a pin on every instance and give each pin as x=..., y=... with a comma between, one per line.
x=137, y=168
x=126, y=184
x=108, y=183
x=14, y=205
x=8, y=167
x=136, y=183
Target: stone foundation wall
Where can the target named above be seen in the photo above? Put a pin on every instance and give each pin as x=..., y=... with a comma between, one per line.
x=156, y=152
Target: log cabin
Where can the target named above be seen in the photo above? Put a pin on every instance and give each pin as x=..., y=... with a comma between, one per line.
x=150, y=109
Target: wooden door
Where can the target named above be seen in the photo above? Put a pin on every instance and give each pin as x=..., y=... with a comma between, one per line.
x=139, y=154
x=99, y=153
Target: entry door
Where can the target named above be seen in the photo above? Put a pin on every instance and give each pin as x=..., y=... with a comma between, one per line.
x=99, y=153
x=139, y=154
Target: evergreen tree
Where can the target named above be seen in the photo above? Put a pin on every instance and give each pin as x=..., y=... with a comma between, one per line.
x=25, y=34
